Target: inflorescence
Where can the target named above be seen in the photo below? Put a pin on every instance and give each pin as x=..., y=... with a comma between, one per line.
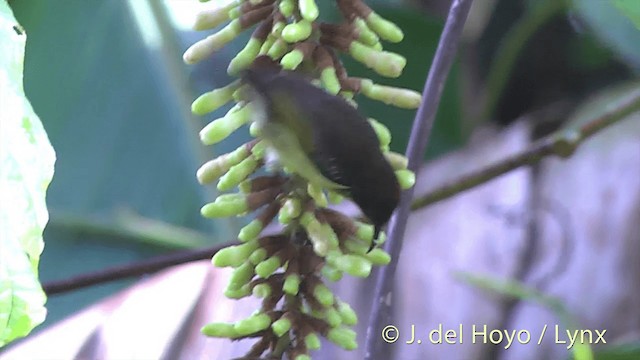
x=287, y=270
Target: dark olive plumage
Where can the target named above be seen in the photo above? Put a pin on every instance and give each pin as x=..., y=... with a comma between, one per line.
x=337, y=139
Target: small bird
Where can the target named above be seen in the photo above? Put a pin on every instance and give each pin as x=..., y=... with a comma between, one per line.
x=323, y=139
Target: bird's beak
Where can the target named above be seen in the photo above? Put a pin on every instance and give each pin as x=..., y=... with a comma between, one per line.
x=376, y=235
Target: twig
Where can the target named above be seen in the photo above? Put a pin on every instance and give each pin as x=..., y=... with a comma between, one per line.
x=136, y=269
x=561, y=143
x=128, y=226
x=442, y=61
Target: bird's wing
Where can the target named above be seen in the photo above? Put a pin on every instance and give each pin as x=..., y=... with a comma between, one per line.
x=286, y=112
x=292, y=137
x=292, y=156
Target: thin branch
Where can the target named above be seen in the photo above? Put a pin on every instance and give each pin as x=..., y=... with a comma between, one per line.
x=136, y=269
x=425, y=116
x=562, y=143
x=126, y=225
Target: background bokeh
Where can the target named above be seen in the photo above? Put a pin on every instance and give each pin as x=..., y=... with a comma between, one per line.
x=107, y=80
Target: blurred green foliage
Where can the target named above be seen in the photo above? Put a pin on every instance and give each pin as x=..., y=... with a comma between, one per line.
x=613, y=23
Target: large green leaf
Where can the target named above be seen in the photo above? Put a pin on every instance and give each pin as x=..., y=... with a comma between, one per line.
x=631, y=9
x=27, y=160
x=613, y=23
x=115, y=112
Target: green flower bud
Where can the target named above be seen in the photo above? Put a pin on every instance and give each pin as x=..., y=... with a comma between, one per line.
x=278, y=49
x=271, y=39
x=290, y=210
x=245, y=57
x=220, y=129
x=230, y=198
x=259, y=150
x=353, y=265
x=320, y=247
x=334, y=197
x=384, y=28
x=238, y=173
x=251, y=231
x=252, y=324
x=287, y=7
x=364, y=232
x=291, y=284
x=384, y=63
x=212, y=100
x=348, y=316
x=281, y=326
x=220, y=209
x=332, y=317
x=397, y=161
x=211, y=18
x=323, y=295
x=262, y=290
x=343, y=337
x=241, y=276
x=220, y=330
x=255, y=129
x=214, y=169
x=331, y=273
x=245, y=186
x=317, y=194
x=384, y=135
x=277, y=28
x=356, y=247
x=292, y=60
x=267, y=267
x=297, y=31
x=234, y=256
x=240, y=293
x=235, y=13
x=241, y=95
x=378, y=257
x=402, y=98
x=406, y=178
x=213, y=43
x=258, y=256
x=330, y=236
x=308, y=9
x=302, y=357
x=312, y=341
x=315, y=232
x=330, y=80
x=367, y=36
